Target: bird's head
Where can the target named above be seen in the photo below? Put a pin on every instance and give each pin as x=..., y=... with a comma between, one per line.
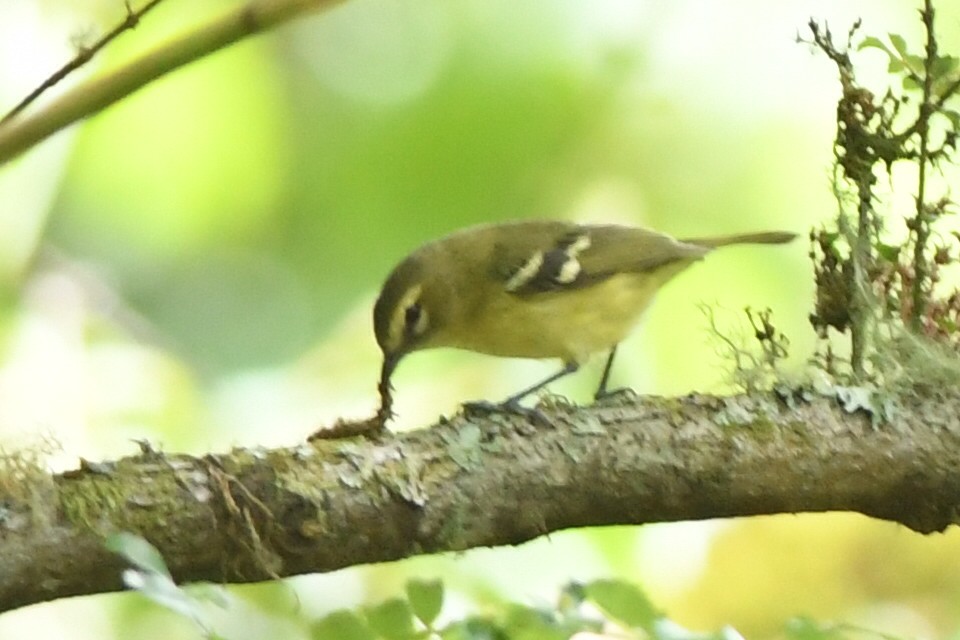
x=410, y=313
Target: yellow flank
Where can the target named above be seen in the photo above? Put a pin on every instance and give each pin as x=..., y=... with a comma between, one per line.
x=570, y=325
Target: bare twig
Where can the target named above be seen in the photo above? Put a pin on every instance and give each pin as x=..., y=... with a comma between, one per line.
x=84, y=55
x=256, y=16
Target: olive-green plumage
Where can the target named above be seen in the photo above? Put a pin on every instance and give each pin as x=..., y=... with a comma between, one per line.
x=532, y=289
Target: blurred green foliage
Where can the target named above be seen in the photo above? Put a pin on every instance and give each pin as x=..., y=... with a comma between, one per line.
x=600, y=609
x=586, y=611
x=241, y=205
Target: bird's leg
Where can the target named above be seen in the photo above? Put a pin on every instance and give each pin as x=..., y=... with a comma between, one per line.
x=602, y=391
x=568, y=368
x=605, y=378
x=512, y=404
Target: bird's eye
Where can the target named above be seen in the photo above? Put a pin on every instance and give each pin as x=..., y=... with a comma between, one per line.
x=412, y=315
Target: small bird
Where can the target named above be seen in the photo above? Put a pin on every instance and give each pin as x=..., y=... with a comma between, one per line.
x=531, y=289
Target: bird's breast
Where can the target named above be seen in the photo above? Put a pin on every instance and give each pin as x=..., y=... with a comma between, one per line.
x=571, y=325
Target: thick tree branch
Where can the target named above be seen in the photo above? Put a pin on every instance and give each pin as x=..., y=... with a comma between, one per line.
x=22, y=132
x=254, y=515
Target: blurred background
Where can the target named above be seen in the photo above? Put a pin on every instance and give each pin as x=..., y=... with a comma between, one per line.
x=197, y=265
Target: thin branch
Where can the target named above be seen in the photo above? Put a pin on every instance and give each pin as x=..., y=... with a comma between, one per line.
x=84, y=55
x=921, y=222
x=253, y=515
x=21, y=133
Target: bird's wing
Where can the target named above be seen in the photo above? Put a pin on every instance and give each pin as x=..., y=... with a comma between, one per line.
x=563, y=256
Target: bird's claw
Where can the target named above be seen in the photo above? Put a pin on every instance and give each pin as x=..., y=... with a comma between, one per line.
x=610, y=393
x=486, y=408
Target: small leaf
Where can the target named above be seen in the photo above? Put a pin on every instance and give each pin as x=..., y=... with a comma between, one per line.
x=944, y=84
x=871, y=42
x=138, y=552
x=899, y=43
x=944, y=66
x=947, y=325
x=623, y=602
x=670, y=630
x=475, y=628
x=161, y=589
x=916, y=64
x=525, y=623
x=910, y=83
x=888, y=252
x=392, y=619
x=426, y=599
x=342, y=625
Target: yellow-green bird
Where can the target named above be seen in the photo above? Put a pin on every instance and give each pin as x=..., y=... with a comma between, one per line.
x=531, y=289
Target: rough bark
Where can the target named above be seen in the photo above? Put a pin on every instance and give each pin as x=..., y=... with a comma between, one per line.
x=252, y=515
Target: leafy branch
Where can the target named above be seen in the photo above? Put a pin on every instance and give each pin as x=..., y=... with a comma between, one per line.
x=865, y=282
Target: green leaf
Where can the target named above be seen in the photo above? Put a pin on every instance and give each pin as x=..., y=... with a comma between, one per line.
x=944, y=66
x=888, y=252
x=947, y=325
x=392, y=619
x=138, y=552
x=426, y=599
x=943, y=84
x=910, y=83
x=623, y=602
x=473, y=629
x=669, y=630
x=871, y=42
x=152, y=579
x=341, y=625
x=829, y=237
x=900, y=44
x=159, y=588
x=525, y=623
x=916, y=64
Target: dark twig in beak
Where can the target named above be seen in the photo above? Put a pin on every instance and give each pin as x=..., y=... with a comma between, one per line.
x=385, y=389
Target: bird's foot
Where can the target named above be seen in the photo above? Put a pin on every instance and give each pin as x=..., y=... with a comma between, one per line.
x=604, y=394
x=485, y=408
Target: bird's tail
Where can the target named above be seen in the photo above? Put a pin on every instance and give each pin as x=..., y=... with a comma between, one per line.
x=763, y=237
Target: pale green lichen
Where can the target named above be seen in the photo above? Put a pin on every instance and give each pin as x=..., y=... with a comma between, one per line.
x=404, y=478
x=464, y=447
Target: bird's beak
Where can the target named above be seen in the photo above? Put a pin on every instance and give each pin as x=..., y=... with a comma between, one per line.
x=390, y=361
